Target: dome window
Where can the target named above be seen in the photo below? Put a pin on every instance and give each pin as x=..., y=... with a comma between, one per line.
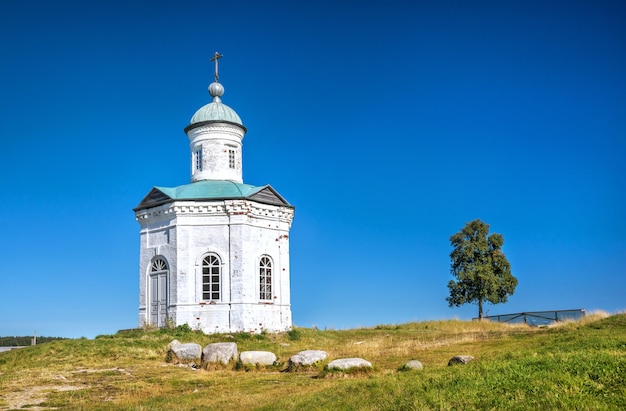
x=231, y=158
x=197, y=160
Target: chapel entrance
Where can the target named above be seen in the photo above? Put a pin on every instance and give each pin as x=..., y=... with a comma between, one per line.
x=158, y=292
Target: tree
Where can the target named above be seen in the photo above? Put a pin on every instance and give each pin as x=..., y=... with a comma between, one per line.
x=482, y=272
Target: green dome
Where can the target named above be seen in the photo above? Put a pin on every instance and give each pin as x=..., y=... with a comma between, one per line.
x=215, y=110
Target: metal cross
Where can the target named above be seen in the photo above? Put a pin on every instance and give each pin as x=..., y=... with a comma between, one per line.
x=215, y=58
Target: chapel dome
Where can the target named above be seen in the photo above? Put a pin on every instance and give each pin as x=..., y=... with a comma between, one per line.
x=215, y=110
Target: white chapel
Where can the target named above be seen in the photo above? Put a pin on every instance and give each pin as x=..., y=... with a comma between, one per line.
x=215, y=252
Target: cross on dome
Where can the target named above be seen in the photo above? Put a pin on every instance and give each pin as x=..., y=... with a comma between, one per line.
x=215, y=58
x=216, y=90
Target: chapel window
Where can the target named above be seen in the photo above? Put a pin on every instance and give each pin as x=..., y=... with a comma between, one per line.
x=265, y=278
x=211, y=276
x=197, y=160
x=158, y=264
x=231, y=158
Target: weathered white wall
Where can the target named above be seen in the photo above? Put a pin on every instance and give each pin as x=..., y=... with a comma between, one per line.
x=215, y=140
x=240, y=232
x=157, y=238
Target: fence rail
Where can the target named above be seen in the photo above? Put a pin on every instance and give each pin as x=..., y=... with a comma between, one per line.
x=538, y=318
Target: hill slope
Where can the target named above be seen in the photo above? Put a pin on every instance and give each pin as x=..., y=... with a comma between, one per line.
x=576, y=365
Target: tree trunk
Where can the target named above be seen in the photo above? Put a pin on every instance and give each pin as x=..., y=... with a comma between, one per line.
x=480, y=309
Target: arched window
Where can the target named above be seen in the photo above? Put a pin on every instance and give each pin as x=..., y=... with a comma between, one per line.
x=265, y=278
x=159, y=264
x=211, y=277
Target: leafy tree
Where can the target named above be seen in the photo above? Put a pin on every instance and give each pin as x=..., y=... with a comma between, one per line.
x=482, y=272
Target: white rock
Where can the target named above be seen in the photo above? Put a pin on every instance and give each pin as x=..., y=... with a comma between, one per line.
x=413, y=365
x=184, y=353
x=460, y=359
x=308, y=357
x=219, y=352
x=347, y=363
x=257, y=357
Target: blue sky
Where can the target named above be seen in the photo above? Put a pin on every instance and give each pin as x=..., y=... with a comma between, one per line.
x=388, y=124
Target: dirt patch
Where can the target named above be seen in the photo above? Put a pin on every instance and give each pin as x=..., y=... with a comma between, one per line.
x=33, y=396
x=90, y=371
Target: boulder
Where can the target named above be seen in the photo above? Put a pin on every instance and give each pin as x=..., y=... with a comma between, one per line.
x=308, y=357
x=184, y=353
x=460, y=359
x=347, y=363
x=219, y=353
x=413, y=365
x=257, y=358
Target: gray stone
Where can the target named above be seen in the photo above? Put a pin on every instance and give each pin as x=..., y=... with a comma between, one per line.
x=413, y=365
x=184, y=353
x=257, y=357
x=460, y=359
x=219, y=353
x=308, y=357
x=173, y=343
x=347, y=363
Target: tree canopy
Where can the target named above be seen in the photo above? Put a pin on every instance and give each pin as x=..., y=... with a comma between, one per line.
x=482, y=271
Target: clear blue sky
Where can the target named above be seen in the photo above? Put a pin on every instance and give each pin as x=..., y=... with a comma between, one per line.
x=388, y=124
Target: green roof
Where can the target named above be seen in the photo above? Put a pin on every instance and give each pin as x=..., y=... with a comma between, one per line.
x=209, y=189
x=212, y=190
x=216, y=111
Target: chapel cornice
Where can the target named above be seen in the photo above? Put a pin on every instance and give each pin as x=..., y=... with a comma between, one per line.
x=223, y=128
x=217, y=208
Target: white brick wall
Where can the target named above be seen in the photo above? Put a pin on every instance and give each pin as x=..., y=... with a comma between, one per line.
x=215, y=140
x=240, y=232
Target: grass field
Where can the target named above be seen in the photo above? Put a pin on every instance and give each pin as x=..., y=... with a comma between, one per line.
x=577, y=365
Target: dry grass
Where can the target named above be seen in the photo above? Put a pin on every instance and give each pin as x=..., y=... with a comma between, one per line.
x=128, y=370
x=589, y=318
x=91, y=368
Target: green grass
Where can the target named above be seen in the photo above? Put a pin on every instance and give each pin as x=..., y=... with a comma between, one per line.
x=578, y=365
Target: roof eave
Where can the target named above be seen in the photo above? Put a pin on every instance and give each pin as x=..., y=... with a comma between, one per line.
x=203, y=123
